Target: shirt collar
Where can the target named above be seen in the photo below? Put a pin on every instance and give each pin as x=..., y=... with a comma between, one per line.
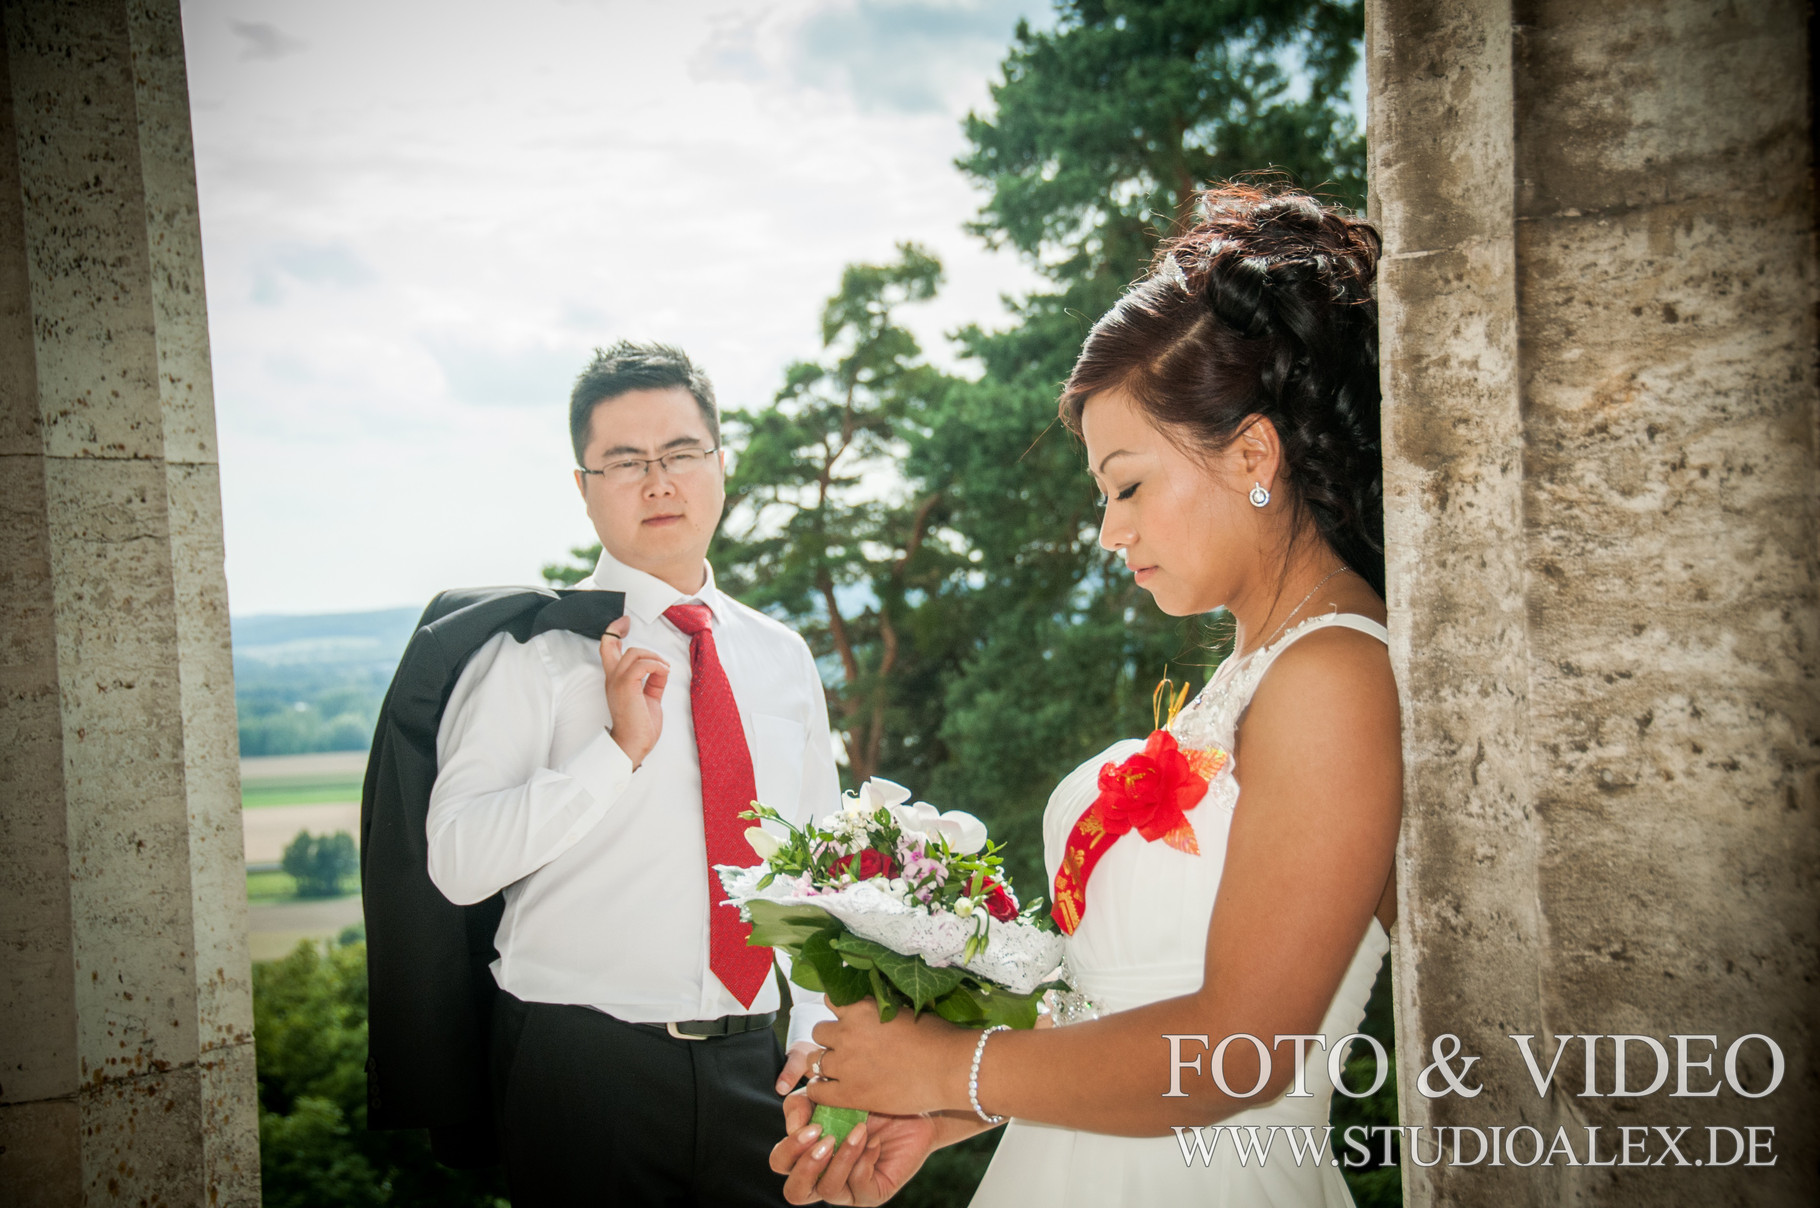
x=647, y=596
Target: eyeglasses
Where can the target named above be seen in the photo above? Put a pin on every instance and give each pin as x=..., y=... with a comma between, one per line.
x=625, y=471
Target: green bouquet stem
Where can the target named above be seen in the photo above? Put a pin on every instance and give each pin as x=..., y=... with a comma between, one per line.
x=837, y=1122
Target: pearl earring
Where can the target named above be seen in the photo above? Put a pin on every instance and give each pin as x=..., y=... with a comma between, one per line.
x=1259, y=496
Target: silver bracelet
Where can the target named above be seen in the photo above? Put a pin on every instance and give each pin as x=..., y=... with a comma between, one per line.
x=973, y=1079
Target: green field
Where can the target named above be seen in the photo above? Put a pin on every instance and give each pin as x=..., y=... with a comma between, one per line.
x=300, y=790
x=280, y=887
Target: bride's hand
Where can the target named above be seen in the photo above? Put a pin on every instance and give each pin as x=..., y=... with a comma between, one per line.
x=873, y=1164
x=905, y=1068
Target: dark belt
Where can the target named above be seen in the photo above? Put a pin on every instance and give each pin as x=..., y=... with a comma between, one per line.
x=726, y=1025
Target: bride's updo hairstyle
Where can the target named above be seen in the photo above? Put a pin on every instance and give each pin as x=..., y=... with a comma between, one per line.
x=1264, y=308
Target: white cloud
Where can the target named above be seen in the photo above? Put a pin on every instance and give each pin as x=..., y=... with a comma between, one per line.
x=419, y=218
x=265, y=41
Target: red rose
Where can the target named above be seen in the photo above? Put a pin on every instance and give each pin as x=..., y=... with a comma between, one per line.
x=872, y=863
x=998, y=903
x=1152, y=790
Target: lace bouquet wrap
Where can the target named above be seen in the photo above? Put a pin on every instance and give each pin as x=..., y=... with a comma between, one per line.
x=902, y=903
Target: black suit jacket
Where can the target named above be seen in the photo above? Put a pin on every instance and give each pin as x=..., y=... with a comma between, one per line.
x=430, y=993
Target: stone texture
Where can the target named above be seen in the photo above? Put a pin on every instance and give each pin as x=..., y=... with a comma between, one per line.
x=41, y=1153
x=205, y=658
x=1599, y=367
x=127, y=1029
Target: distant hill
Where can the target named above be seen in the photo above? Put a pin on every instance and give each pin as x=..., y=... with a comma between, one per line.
x=314, y=682
x=334, y=637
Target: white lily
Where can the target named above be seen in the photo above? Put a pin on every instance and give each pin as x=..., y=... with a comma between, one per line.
x=874, y=795
x=763, y=842
x=963, y=832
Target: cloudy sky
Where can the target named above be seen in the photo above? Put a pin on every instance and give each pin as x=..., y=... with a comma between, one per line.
x=418, y=218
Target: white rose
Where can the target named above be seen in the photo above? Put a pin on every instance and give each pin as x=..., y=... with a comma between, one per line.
x=963, y=832
x=764, y=842
x=963, y=907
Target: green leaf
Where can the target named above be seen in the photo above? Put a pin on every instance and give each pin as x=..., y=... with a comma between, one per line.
x=1017, y=1010
x=779, y=925
x=959, y=1006
x=919, y=981
x=842, y=983
x=974, y=1005
x=837, y=1122
x=881, y=991
x=858, y=952
x=804, y=975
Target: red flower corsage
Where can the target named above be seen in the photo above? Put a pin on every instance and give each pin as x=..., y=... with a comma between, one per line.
x=1151, y=793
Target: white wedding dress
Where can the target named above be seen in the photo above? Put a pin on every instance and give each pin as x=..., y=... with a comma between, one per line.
x=1126, y=953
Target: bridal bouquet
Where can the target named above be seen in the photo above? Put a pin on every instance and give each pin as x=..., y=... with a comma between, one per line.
x=900, y=902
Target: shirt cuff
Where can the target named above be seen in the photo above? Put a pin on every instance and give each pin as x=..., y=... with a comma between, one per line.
x=804, y=1015
x=601, y=762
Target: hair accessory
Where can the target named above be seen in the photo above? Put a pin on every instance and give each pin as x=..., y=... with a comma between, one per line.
x=1259, y=496
x=973, y=1079
x=1171, y=270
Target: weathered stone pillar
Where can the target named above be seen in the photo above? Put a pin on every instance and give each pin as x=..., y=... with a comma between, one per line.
x=1599, y=341
x=126, y=1059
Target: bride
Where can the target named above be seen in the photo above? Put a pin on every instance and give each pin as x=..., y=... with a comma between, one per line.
x=1229, y=407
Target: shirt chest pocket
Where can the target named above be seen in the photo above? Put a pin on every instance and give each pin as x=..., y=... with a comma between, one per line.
x=777, y=761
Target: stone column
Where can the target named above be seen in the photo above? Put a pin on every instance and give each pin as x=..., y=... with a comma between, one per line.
x=1599, y=341
x=126, y=1059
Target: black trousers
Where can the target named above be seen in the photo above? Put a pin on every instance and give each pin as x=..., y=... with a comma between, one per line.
x=595, y=1112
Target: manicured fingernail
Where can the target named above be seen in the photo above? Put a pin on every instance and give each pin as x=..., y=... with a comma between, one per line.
x=783, y=1088
x=857, y=1135
x=809, y=1134
x=824, y=1149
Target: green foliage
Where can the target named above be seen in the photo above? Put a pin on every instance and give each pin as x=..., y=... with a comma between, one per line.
x=290, y=709
x=1106, y=125
x=1372, y=1186
x=268, y=885
x=310, y=1018
x=581, y=565
x=321, y=864
x=822, y=529
x=832, y=960
x=317, y=789
x=949, y=1177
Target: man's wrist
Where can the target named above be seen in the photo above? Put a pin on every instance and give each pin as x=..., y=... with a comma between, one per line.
x=638, y=761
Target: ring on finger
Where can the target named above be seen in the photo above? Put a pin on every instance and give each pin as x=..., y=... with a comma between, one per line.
x=815, y=1067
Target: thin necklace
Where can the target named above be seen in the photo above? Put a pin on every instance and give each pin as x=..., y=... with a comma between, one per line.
x=1298, y=608
x=1219, y=686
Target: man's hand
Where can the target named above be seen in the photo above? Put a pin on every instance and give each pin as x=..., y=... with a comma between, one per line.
x=635, y=692
x=796, y=1065
x=877, y=1159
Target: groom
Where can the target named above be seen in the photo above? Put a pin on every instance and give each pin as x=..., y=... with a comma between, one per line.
x=633, y=1057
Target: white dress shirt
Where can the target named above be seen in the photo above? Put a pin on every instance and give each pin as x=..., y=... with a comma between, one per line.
x=604, y=869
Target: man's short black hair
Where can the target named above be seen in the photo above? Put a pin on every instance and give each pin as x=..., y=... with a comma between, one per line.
x=631, y=365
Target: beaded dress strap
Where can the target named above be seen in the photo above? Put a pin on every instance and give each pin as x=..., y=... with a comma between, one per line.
x=1211, y=719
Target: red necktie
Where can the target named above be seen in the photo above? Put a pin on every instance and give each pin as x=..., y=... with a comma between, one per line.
x=727, y=789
